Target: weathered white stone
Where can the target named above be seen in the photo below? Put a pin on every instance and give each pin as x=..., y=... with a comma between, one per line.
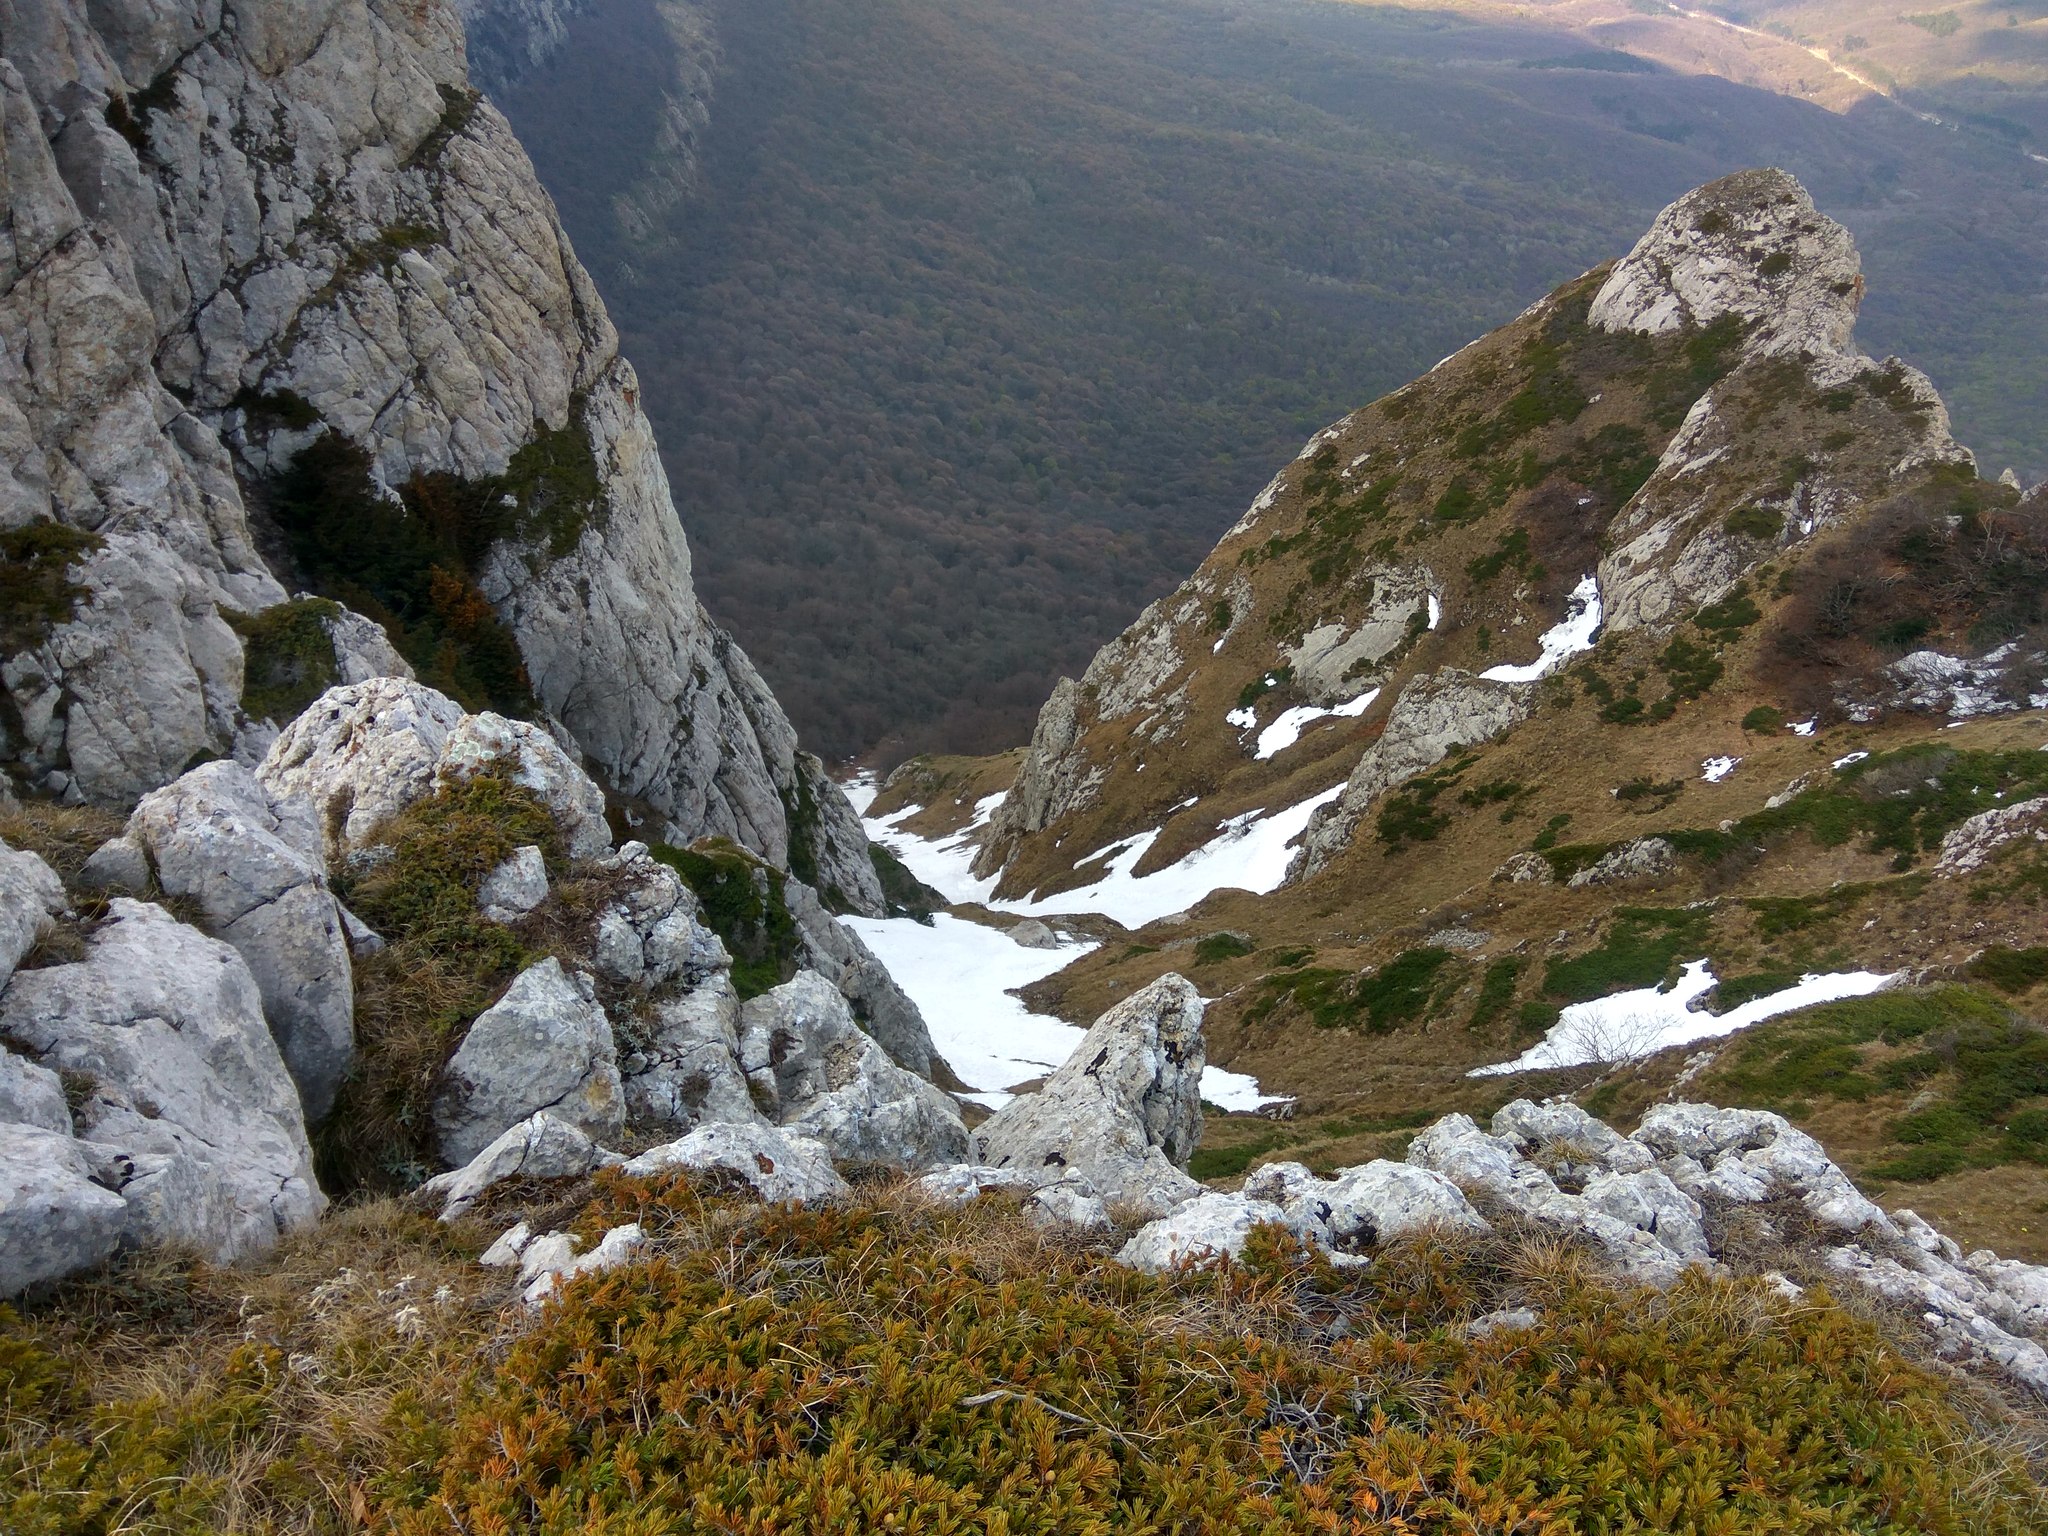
x=842, y=957
x=1644, y=858
x=1752, y=1155
x=964, y=1183
x=1436, y=713
x=1526, y=869
x=546, y=1044
x=1560, y=1128
x=778, y=1166
x=510, y=1245
x=54, y=1219
x=544, y=1269
x=1648, y=1201
x=1199, y=1231
x=1033, y=934
x=515, y=887
x=31, y=895
x=544, y=1146
x=1977, y=841
x=360, y=754
x=1125, y=1109
x=681, y=1060
x=803, y=1053
x=200, y=1123
x=1751, y=246
x=650, y=931
x=253, y=863
x=1071, y=1202
x=32, y=1095
x=1363, y=1207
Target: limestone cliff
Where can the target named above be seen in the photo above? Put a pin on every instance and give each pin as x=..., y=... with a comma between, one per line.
x=235, y=227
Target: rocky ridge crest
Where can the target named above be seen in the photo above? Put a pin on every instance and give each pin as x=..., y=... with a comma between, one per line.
x=234, y=230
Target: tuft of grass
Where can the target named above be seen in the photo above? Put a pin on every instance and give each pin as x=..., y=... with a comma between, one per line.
x=36, y=590
x=287, y=657
x=443, y=965
x=744, y=906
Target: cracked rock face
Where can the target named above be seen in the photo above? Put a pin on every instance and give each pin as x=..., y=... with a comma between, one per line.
x=826, y=1079
x=1436, y=713
x=545, y=1045
x=1125, y=1110
x=190, y=1118
x=253, y=862
x=215, y=206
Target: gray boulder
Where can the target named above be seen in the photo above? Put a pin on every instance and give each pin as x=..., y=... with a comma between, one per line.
x=546, y=1044
x=882, y=1008
x=1199, y=1231
x=30, y=896
x=1751, y=1155
x=31, y=1095
x=681, y=1060
x=778, y=1166
x=253, y=862
x=964, y=1183
x=1363, y=1207
x=650, y=932
x=194, y=1118
x=544, y=1146
x=54, y=1219
x=803, y=1053
x=1645, y=858
x=1125, y=1109
x=515, y=887
x=363, y=752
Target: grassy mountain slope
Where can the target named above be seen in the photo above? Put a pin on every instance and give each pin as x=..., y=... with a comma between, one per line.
x=986, y=316
x=1776, y=521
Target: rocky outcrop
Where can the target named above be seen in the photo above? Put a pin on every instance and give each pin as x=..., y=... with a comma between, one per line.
x=1436, y=714
x=184, y=1108
x=545, y=1045
x=1750, y=246
x=819, y=1075
x=228, y=234
x=254, y=864
x=776, y=1166
x=31, y=896
x=1752, y=253
x=361, y=754
x=1361, y=1208
x=1979, y=840
x=1125, y=1110
x=546, y=1146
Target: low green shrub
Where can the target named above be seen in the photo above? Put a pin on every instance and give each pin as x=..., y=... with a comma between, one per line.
x=287, y=657
x=744, y=906
x=36, y=589
x=1643, y=949
x=827, y=1370
x=1215, y=948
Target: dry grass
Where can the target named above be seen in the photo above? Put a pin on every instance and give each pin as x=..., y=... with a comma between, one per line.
x=65, y=836
x=263, y=1399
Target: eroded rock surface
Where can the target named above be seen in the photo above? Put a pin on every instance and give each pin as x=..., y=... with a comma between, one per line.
x=545, y=1045
x=184, y=1100
x=1125, y=1109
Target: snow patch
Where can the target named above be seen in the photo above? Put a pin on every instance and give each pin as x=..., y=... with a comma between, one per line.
x=1573, y=634
x=1842, y=762
x=1715, y=769
x=1806, y=727
x=1436, y=610
x=1632, y=1025
x=1286, y=730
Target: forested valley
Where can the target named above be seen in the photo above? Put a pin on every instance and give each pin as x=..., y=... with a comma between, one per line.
x=967, y=326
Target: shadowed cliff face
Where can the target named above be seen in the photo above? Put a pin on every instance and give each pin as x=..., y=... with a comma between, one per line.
x=243, y=232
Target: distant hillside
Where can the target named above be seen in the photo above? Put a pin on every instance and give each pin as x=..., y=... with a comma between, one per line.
x=968, y=326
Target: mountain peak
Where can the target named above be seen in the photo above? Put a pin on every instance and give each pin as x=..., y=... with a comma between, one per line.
x=1751, y=245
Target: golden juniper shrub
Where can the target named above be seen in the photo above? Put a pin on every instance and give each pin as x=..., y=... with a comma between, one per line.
x=896, y=1369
